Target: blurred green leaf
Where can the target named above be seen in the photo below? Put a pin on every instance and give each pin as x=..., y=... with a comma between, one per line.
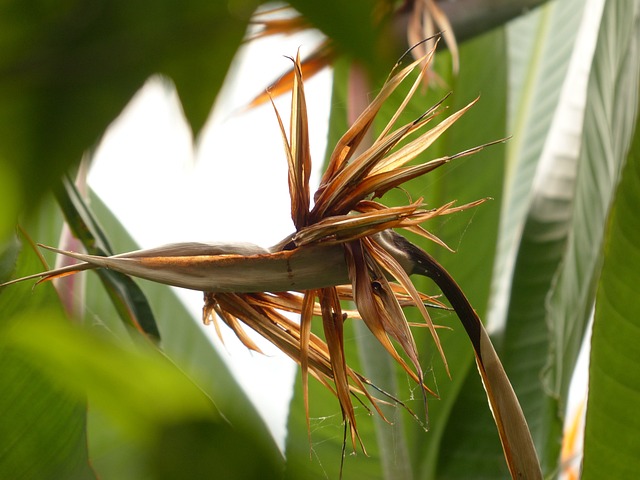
x=611, y=439
x=68, y=69
x=42, y=426
x=130, y=302
x=138, y=388
x=357, y=29
x=149, y=399
x=116, y=450
x=204, y=449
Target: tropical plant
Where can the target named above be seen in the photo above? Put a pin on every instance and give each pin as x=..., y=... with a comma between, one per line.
x=561, y=81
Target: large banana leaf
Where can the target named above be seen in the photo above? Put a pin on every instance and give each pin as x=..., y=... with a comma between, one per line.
x=611, y=111
x=555, y=266
x=544, y=210
x=611, y=439
x=539, y=48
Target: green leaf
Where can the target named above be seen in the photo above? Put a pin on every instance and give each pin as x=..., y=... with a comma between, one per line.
x=558, y=255
x=68, y=69
x=115, y=452
x=612, y=100
x=535, y=220
x=130, y=302
x=150, y=400
x=611, y=441
x=138, y=388
x=43, y=426
x=539, y=48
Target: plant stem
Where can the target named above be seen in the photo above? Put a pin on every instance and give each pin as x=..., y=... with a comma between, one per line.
x=515, y=436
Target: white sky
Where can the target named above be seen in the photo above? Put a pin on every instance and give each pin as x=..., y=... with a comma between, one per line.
x=232, y=187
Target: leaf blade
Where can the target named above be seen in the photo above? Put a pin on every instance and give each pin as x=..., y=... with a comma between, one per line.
x=614, y=385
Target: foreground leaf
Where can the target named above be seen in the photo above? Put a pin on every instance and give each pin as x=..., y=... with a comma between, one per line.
x=67, y=70
x=354, y=28
x=43, y=426
x=150, y=400
x=131, y=304
x=611, y=441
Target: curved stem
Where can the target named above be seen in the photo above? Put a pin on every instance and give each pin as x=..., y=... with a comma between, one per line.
x=517, y=443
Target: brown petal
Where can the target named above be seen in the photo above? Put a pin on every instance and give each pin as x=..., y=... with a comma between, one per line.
x=214, y=268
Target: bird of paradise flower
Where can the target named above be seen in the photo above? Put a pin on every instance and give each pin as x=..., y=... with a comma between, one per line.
x=344, y=248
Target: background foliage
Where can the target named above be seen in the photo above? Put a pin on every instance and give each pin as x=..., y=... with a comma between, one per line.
x=561, y=233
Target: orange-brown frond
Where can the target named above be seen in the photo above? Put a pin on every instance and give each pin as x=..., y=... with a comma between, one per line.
x=395, y=269
x=306, y=315
x=332, y=199
x=300, y=171
x=371, y=310
x=414, y=148
x=369, y=205
x=277, y=21
x=297, y=150
x=323, y=361
x=347, y=145
x=332, y=322
x=343, y=228
x=353, y=181
x=425, y=17
x=209, y=311
x=313, y=63
x=426, y=58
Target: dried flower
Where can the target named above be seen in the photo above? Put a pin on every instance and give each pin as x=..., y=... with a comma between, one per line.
x=344, y=248
x=425, y=23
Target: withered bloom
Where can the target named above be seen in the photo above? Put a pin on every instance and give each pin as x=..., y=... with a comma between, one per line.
x=422, y=20
x=344, y=248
